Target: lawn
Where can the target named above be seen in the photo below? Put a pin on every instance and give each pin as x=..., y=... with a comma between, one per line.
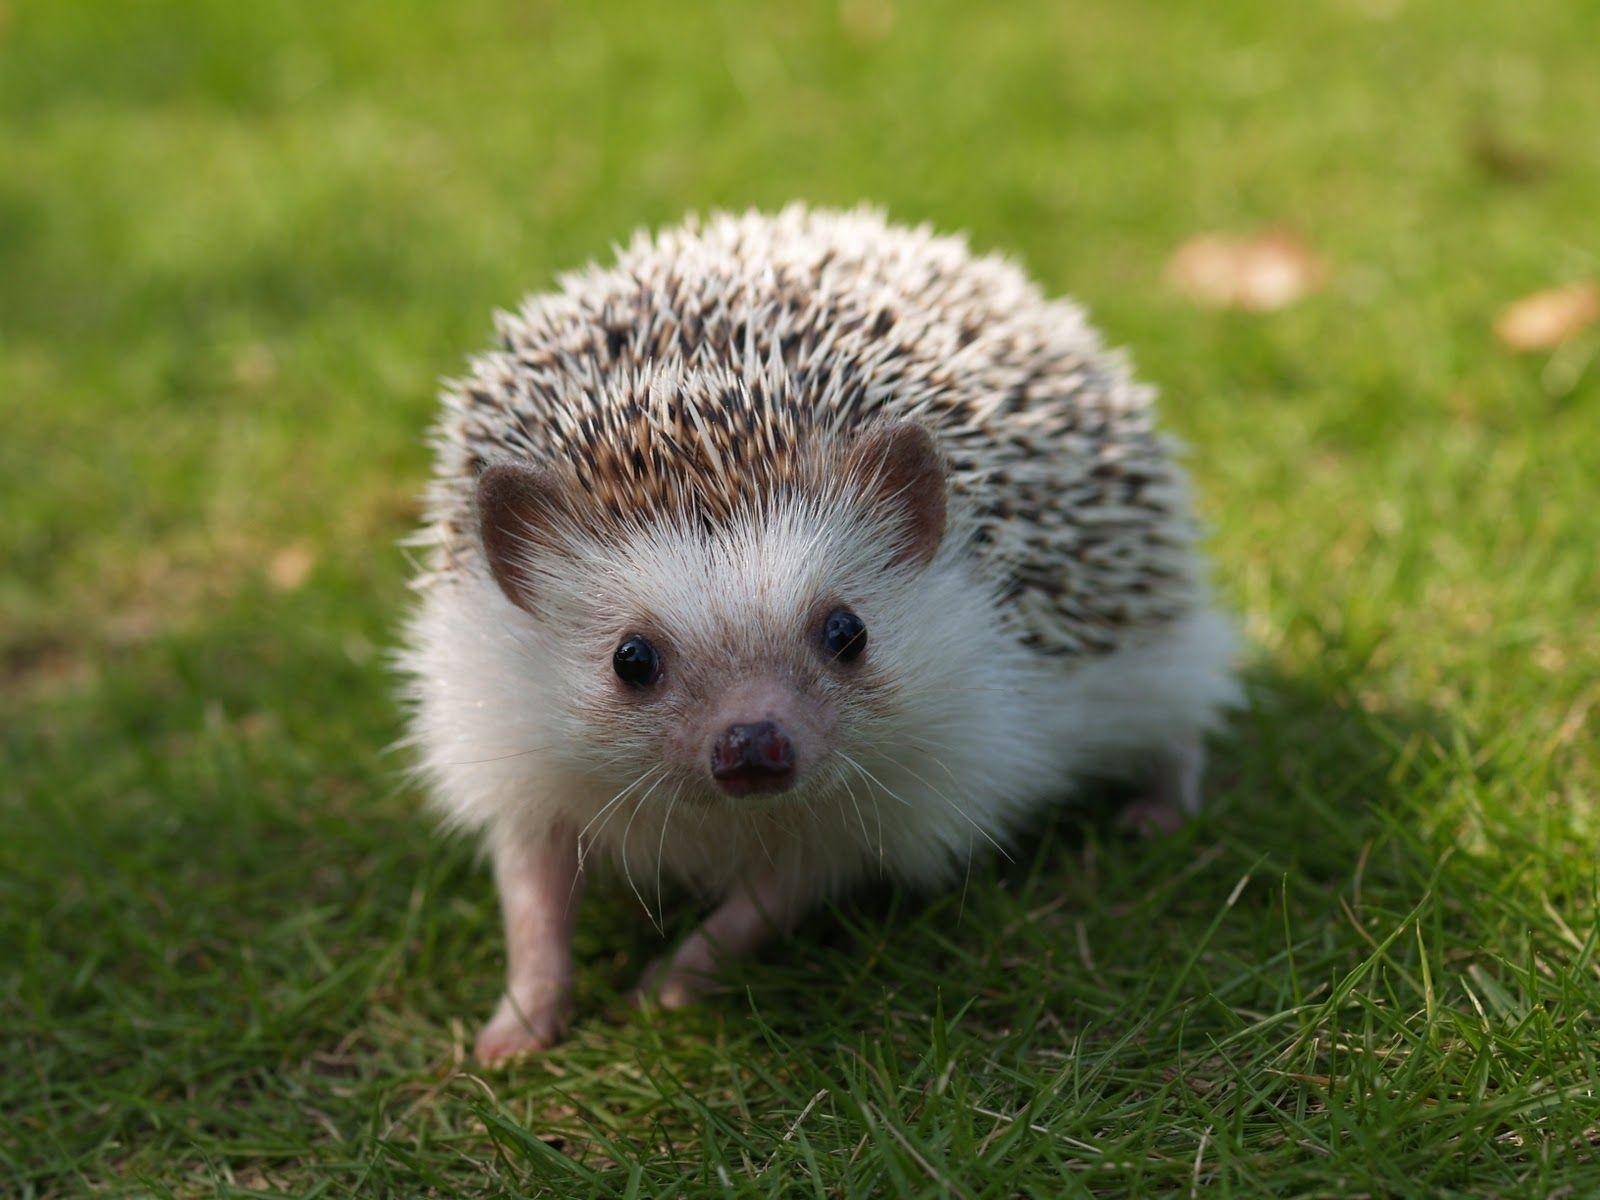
x=239, y=243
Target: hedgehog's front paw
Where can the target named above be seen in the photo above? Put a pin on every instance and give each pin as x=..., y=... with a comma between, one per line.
x=523, y=1025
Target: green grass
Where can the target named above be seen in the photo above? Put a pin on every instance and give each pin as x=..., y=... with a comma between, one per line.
x=238, y=244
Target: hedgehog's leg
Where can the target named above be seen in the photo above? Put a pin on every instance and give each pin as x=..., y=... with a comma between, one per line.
x=539, y=881
x=751, y=914
x=1171, y=790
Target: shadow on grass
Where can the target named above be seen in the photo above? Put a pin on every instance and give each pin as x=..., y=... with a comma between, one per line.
x=1300, y=791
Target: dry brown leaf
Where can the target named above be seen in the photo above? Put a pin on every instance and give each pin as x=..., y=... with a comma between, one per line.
x=254, y=366
x=1258, y=272
x=1545, y=319
x=291, y=566
x=867, y=20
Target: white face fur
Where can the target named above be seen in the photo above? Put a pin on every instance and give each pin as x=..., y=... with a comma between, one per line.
x=729, y=632
x=755, y=657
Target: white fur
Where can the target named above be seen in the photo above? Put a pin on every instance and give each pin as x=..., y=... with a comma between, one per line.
x=517, y=724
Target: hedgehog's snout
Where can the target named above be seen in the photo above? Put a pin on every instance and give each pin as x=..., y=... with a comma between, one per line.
x=753, y=756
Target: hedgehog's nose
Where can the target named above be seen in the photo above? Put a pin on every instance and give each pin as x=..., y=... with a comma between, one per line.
x=757, y=757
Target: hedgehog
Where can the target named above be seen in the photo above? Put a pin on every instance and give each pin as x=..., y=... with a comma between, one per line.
x=785, y=552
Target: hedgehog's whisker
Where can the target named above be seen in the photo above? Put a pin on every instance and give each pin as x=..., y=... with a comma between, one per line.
x=754, y=818
x=954, y=807
x=607, y=807
x=930, y=750
x=933, y=748
x=869, y=779
x=493, y=758
x=615, y=800
x=661, y=853
x=627, y=867
x=862, y=821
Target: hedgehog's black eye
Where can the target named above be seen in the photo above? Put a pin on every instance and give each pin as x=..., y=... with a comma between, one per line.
x=636, y=662
x=844, y=637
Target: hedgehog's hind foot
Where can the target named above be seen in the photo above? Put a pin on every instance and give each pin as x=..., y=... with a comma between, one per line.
x=1171, y=793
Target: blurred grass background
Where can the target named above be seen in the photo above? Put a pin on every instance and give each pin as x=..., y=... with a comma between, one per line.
x=240, y=242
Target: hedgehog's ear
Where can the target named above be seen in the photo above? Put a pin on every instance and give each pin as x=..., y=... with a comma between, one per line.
x=519, y=508
x=901, y=469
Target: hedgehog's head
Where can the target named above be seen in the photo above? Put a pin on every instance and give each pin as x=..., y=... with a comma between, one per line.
x=780, y=648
